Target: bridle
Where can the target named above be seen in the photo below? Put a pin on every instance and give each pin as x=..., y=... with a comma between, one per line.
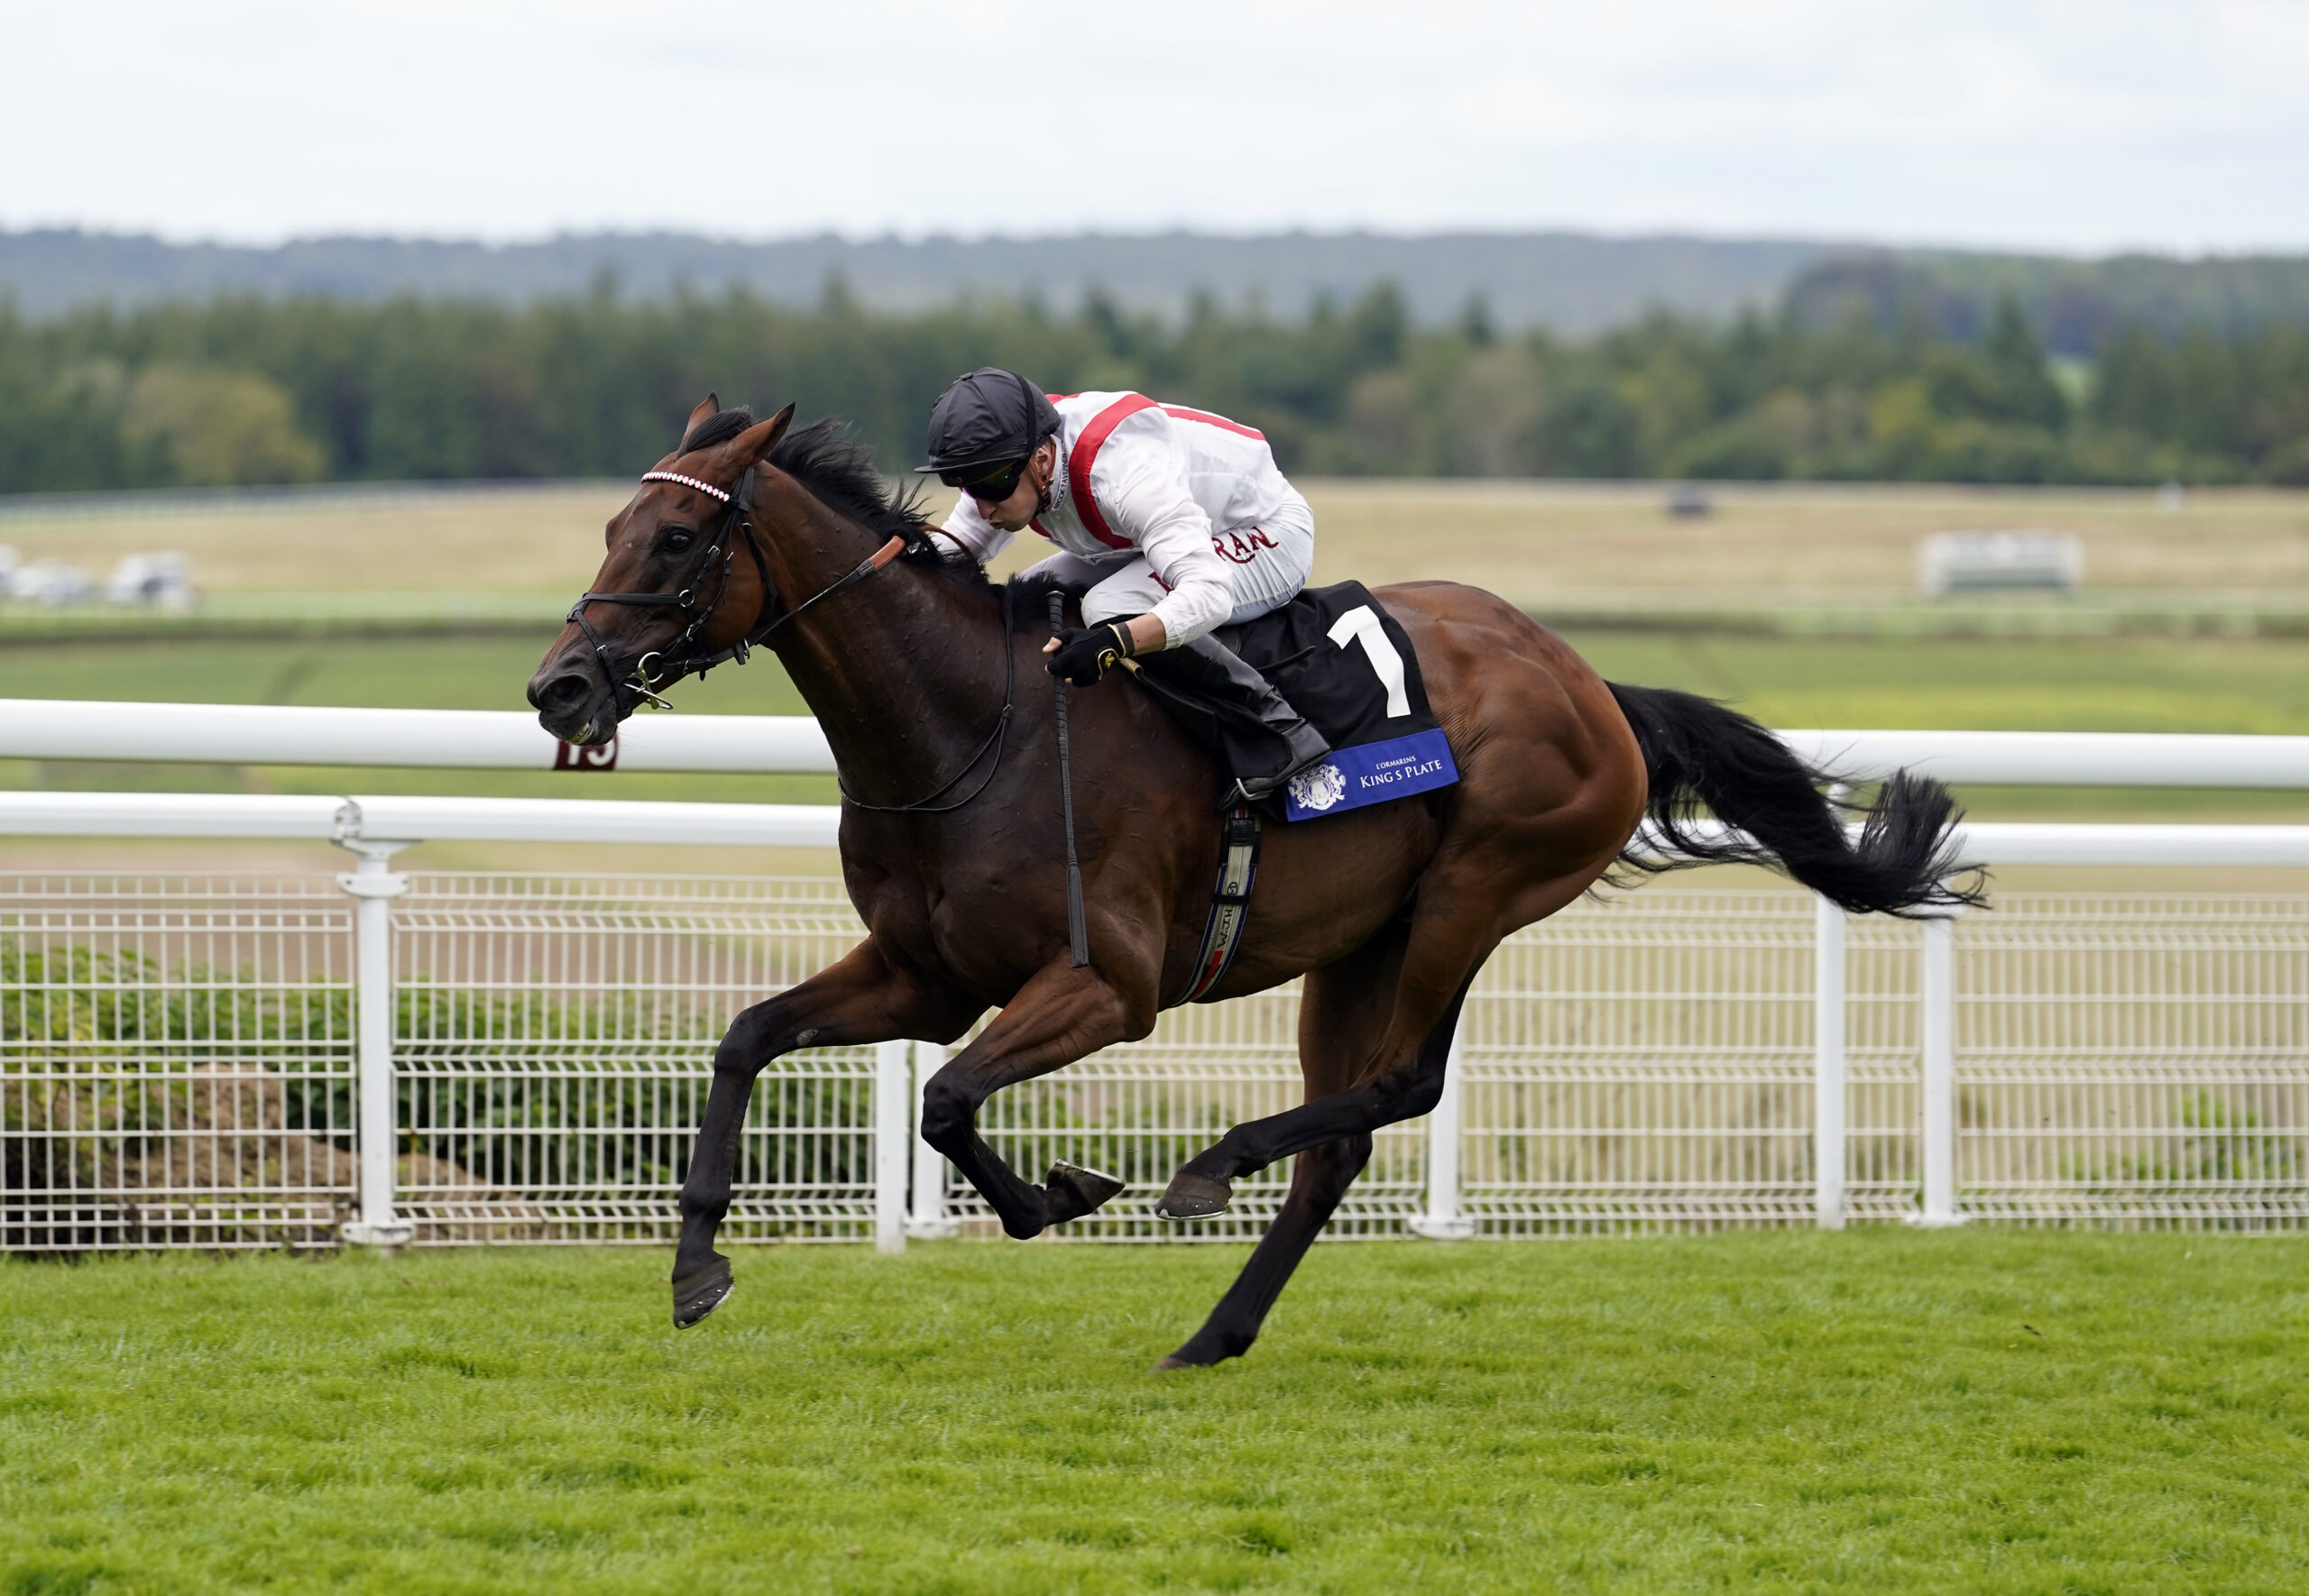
x=682, y=655
x=685, y=654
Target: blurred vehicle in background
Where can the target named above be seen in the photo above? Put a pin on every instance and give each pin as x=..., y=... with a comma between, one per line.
x=52, y=582
x=161, y=581
x=164, y=581
x=1974, y=562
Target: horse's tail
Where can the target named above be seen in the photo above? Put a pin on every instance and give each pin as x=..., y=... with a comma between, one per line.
x=1696, y=753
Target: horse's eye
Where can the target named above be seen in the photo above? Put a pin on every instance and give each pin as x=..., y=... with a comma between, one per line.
x=678, y=542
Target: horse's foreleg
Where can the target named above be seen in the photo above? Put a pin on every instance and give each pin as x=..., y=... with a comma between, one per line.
x=1060, y=1016
x=860, y=998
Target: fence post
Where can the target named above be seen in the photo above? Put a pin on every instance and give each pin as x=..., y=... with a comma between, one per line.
x=892, y=1127
x=1829, y=1064
x=1443, y=1222
x=928, y=1222
x=373, y=886
x=1936, y=992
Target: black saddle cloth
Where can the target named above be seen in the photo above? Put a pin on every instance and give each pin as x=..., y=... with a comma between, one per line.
x=1358, y=689
x=1338, y=685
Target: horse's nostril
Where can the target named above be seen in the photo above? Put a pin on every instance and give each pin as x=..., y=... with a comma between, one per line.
x=563, y=693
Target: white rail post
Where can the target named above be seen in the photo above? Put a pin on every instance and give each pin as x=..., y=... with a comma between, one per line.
x=373, y=886
x=928, y=1222
x=893, y=1119
x=1937, y=993
x=1443, y=1222
x=1829, y=1064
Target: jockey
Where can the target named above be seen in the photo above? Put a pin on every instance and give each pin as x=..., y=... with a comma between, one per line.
x=1175, y=520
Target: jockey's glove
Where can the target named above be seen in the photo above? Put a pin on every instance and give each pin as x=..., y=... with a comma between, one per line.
x=1086, y=655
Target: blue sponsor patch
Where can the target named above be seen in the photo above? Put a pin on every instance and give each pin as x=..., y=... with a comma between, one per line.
x=1372, y=772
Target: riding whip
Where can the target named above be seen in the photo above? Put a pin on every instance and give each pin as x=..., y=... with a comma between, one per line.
x=1077, y=932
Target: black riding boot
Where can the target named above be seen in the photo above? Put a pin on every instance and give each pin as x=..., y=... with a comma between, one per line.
x=1246, y=703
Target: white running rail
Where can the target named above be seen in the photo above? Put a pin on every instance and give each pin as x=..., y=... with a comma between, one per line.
x=503, y=739
x=466, y=740
x=375, y=827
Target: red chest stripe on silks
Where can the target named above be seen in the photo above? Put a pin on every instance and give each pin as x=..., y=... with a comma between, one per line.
x=1181, y=413
x=1086, y=453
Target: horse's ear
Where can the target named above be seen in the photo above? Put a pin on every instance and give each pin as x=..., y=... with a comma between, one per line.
x=707, y=408
x=758, y=440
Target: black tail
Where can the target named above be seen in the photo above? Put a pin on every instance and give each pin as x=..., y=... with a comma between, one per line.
x=1697, y=753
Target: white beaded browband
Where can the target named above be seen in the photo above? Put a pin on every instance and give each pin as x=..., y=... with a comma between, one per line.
x=675, y=476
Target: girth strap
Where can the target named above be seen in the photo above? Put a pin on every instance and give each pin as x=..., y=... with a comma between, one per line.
x=1230, y=901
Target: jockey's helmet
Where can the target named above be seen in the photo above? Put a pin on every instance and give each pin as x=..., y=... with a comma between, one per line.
x=990, y=418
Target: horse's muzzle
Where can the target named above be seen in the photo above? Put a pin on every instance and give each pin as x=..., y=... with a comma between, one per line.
x=574, y=704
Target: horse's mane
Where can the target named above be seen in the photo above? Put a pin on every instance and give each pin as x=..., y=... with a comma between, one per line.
x=828, y=458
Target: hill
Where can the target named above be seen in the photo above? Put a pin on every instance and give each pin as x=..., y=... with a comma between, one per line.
x=1569, y=282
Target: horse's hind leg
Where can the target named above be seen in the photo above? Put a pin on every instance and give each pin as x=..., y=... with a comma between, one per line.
x=1318, y=1182
x=1400, y=1078
x=1343, y=1010
x=1456, y=923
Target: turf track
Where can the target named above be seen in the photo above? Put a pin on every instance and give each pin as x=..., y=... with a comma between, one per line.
x=1878, y=1411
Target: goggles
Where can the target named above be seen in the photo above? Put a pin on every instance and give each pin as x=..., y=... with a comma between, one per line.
x=990, y=485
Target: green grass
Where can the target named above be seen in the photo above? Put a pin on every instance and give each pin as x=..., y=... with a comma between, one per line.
x=2096, y=684
x=2072, y=684
x=1878, y=1411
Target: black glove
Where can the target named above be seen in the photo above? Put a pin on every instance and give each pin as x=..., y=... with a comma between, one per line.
x=1085, y=655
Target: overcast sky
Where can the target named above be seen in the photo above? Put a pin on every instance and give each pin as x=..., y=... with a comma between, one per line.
x=2084, y=126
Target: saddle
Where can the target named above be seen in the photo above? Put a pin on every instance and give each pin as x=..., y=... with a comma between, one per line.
x=1349, y=666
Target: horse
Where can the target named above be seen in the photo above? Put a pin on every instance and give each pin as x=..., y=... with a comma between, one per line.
x=927, y=679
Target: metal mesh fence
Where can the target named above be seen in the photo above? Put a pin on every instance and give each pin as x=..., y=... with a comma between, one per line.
x=1641, y=1061
x=2139, y=1060
x=177, y=1067
x=557, y=1044
x=176, y=1062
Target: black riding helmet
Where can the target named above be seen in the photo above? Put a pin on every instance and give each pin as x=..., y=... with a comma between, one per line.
x=983, y=421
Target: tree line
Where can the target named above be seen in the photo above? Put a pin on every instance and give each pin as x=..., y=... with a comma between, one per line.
x=253, y=390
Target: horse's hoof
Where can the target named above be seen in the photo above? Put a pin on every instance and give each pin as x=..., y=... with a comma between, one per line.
x=1083, y=1190
x=698, y=1294
x=1193, y=1196
x=1196, y=1354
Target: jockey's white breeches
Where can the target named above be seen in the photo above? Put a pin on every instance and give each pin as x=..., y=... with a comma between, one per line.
x=1269, y=563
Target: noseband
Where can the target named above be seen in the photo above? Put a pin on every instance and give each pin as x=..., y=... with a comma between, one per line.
x=686, y=653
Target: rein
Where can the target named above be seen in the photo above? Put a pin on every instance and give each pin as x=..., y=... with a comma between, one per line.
x=681, y=656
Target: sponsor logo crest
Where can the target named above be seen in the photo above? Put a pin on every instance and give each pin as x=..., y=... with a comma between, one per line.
x=1318, y=787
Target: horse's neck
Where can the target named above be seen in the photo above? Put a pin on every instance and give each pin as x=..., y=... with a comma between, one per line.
x=904, y=672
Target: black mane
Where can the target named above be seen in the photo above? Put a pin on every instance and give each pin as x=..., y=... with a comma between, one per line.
x=827, y=458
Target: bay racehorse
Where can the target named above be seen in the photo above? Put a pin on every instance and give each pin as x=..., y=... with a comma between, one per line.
x=928, y=683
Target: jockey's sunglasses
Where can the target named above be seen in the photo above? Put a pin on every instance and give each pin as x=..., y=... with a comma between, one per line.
x=992, y=487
